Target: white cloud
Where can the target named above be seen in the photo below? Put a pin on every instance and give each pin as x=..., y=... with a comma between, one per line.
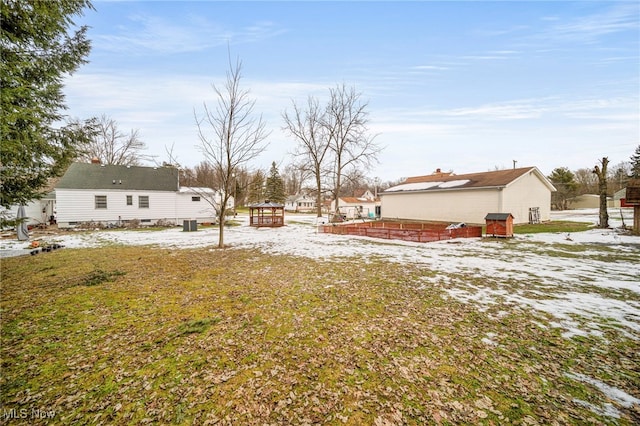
x=619, y=18
x=144, y=34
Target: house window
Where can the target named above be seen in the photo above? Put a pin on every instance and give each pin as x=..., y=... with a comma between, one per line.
x=101, y=201
x=129, y=200
x=195, y=198
x=143, y=201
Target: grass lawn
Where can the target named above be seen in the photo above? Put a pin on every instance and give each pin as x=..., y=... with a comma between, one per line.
x=131, y=335
x=553, y=226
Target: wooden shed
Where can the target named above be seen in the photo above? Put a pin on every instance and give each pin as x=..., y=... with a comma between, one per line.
x=499, y=224
x=266, y=214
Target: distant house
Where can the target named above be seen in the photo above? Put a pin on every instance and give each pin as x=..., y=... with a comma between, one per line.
x=300, y=203
x=114, y=194
x=523, y=192
x=588, y=201
x=363, y=206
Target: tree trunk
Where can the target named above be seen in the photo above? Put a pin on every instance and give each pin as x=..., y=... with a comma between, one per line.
x=602, y=189
x=223, y=212
x=319, y=194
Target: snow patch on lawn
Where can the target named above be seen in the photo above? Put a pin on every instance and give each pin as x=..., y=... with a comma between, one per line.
x=617, y=395
x=533, y=271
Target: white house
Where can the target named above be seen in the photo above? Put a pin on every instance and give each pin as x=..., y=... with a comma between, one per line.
x=363, y=206
x=114, y=194
x=523, y=192
x=300, y=203
x=38, y=212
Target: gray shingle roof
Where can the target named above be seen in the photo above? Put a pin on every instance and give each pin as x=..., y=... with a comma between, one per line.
x=497, y=216
x=106, y=176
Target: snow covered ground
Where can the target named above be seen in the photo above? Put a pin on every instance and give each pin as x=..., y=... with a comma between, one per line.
x=567, y=276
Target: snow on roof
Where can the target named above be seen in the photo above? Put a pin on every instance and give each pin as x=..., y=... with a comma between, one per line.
x=421, y=186
x=494, y=179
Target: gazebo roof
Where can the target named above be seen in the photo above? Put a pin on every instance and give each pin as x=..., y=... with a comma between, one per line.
x=266, y=204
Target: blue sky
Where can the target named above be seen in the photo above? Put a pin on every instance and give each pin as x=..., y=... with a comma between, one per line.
x=463, y=86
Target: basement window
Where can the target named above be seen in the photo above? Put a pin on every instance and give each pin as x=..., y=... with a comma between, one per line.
x=143, y=201
x=100, y=201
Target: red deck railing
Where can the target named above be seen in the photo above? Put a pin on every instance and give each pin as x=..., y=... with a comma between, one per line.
x=418, y=232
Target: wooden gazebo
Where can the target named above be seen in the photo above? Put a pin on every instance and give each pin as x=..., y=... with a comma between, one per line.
x=266, y=214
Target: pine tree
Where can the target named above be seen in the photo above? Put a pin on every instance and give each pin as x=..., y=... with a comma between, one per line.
x=275, y=186
x=37, y=53
x=256, y=188
x=566, y=187
x=635, y=164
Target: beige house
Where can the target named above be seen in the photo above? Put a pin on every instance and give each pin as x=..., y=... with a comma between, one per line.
x=589, y=201
x=523, y=192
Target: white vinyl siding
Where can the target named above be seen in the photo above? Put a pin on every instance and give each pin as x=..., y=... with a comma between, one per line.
x=76, y=205
x=187, y=209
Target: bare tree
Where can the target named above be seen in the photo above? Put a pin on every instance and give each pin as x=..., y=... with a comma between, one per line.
x=619, y=176
x=352, y=146
x=230, y=135
x=354, y=182
x=111, y=145
x=601, y=171
x=587, y=181
x=306, y=126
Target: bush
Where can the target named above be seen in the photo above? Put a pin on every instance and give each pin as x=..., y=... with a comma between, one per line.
x=91, y=225
x=164, y=223
x=132, y=224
